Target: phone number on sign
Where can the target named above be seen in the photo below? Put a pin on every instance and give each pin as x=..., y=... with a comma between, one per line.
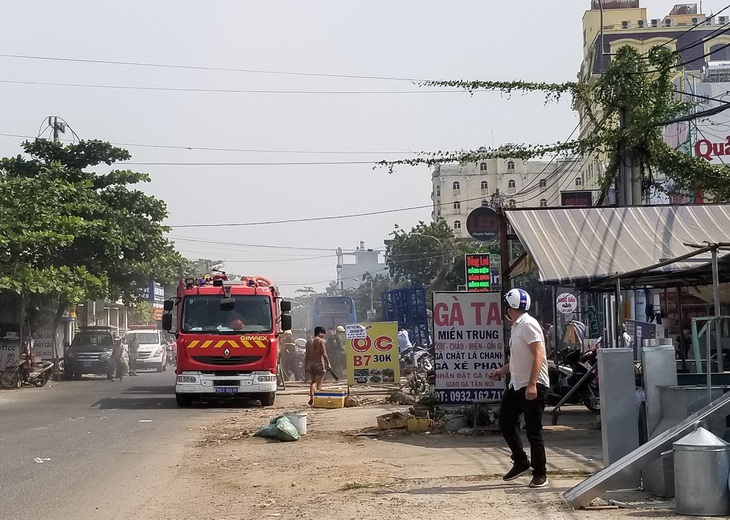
x=466, y=396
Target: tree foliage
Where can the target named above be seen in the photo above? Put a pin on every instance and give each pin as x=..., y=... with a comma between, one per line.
x=69, y=233
x=429, y=255
x=636, y=90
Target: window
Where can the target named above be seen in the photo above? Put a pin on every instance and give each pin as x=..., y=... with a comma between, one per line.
x=456, y=185
x=483, y=167
x=485, y=185
x=438, y=191
x=457, y=205
x=512, y=203
x=719, y=53
x=511, y=165
x=457, y=224
x=578, y=181
x=511, y=184
x=543, y=203
x=543, y=183
x=438, y=212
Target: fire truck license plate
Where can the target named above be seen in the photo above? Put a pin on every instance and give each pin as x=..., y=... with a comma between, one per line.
x=226, y=390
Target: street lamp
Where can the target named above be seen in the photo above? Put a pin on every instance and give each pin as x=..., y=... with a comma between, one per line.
x=371, y=312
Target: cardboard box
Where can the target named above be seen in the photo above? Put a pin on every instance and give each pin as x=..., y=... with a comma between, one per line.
x=329, y=399
x=390, y=421
x=419, y=424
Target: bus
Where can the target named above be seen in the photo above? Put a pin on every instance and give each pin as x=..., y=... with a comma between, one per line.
x=330, y=312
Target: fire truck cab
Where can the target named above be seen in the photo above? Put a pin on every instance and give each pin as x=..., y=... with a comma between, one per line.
x=227, y=337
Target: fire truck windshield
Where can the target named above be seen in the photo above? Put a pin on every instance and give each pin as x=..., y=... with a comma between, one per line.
x=203, y=314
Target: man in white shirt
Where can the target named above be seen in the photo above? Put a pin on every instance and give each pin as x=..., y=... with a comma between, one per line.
x=527, y=391
x=404, y=342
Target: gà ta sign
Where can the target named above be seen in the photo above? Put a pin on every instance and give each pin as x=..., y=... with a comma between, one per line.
x=483, y=224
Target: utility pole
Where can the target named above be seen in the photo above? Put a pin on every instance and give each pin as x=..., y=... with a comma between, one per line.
x=57, y=127
x=339, y=271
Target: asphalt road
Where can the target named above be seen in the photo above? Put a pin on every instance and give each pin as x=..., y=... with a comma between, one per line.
x=92, y=449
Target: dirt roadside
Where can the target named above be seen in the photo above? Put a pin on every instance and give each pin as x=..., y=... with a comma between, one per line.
x=330, y=473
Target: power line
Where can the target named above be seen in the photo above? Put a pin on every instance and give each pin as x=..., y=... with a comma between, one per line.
x=707, y=54
x=303, y=259
x=200, y=67
x=525, y=190
x=677, y=51
x=704, y=39
x=266, y=246
x=248, y=150
x=560, y=189
x=310, y=219
x=315, y=219
x=331, y=280
x=297, y=163
x=227, y=91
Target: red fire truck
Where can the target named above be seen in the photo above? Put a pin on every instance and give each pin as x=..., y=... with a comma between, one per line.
x=226, y=337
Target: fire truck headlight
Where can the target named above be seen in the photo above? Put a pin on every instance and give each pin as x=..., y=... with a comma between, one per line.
x=266, y=379
x=187, y=379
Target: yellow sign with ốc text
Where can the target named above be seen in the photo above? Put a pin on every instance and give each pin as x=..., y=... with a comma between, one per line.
x=373, y=359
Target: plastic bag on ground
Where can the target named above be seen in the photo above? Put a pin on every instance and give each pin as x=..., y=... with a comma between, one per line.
x=286, y=430
x=270, y=431
x=276, y=419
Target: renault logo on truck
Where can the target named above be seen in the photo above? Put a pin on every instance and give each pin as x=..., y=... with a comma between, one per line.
x=227, y=353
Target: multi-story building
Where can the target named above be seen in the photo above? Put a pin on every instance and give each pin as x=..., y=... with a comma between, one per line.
x=367, y=263
x=611, y=24
x=460, y=188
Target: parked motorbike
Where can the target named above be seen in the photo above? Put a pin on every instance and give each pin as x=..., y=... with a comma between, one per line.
x=572, y=365
x=37, y=375
x=416, y=356
x=418, y=368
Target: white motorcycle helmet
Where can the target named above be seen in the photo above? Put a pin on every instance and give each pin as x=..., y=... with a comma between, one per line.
x=518, y=299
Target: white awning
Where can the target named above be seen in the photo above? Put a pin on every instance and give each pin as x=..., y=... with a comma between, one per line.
x=581, y=245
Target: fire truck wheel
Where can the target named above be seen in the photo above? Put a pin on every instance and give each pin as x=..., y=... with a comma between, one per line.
x=183, y=400
x=267, y=399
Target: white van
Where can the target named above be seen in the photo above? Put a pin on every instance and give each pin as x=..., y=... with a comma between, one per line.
x=152, y=352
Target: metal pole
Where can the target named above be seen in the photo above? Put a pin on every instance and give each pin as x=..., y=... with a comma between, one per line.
x=708, y=344
x=555, y=325
x=716, y=299
x=683, y=349
x=619, y=334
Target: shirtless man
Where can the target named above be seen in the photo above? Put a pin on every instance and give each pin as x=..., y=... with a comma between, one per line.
x=316, y=361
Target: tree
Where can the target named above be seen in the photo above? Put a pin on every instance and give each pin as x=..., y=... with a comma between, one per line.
x=187, y=267
x=71, y=234
x=431, y=256
x=626, y=108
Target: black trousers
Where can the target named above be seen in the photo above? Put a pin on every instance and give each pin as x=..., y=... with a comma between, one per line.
x=513, y=405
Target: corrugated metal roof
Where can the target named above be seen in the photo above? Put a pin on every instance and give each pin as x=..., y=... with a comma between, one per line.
x=576, y=245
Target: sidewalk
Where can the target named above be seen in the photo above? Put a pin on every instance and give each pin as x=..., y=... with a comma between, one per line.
x=346, y=468
x=573, y=446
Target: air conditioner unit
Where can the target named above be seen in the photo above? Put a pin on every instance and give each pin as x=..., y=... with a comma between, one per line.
x=668, y=22
x=722, y=19
x=625, y=24
x=655, y=22
x=695, y=21
x=641, y=24
x=708, y=20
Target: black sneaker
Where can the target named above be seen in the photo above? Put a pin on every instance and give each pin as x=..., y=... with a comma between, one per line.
x=518, y=469
x=538, y=481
